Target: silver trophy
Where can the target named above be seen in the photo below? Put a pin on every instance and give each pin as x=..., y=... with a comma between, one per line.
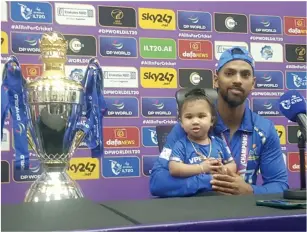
x=54, y=106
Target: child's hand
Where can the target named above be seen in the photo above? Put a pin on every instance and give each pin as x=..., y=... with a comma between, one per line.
x=210, y=165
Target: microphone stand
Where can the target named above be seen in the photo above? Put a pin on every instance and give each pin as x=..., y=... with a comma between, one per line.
x=299, y=194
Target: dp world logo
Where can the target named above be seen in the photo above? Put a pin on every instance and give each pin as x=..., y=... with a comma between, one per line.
x=268, y=105
x=117, y=45
x=159, y=105
x=126, y=107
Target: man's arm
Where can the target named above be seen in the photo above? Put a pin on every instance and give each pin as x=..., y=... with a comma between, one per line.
x=162, y=184
x=272, y=166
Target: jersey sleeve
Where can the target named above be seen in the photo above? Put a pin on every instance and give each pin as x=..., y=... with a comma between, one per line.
x=272, y=166
x=178, y=151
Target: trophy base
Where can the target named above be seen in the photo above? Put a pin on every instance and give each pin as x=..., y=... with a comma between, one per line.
x=52, y=186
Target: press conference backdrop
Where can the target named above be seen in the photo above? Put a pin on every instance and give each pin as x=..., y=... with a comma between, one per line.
x=148, y=51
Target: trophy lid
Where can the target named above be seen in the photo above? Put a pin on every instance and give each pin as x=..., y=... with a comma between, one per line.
x=53, y=45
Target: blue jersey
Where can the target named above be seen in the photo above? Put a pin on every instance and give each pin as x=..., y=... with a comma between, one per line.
x=183, y=151
x=255, y=148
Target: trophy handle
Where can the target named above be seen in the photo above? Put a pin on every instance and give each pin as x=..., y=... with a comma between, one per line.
x=78, y=138
x=31, y=142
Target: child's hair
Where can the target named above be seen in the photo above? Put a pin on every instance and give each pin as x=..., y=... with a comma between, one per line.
x=198, y=94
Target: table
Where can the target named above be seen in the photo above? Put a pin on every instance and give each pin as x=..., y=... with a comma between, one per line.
x=214, y=213
x=75, y=214
x=210, y=213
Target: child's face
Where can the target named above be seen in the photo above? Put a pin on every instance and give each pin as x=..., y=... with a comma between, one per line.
x=196, y=118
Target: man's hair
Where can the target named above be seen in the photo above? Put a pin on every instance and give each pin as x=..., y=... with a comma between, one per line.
x=198, y=94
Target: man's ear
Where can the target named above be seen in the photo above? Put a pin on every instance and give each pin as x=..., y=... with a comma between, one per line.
x=254, y=83
x=215, y=81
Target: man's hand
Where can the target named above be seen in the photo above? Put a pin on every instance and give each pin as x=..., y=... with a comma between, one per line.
x=230, y=184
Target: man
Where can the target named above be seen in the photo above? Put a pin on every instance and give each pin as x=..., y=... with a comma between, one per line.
x=252, y=139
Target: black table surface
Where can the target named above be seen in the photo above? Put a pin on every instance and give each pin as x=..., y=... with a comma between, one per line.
x=75, y=214
x=83, y=214
x=201, y=208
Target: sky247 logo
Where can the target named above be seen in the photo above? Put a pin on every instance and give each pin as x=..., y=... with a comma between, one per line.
x=83, y=168
x=158, y=78
x=159, y=19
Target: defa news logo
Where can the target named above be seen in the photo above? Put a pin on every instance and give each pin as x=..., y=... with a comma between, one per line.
x=83, y=168
x=195, y=77
x=159, y=107
x=31, y=71
x=149, y=137
x=119, y=167
x=195, y=49
x=267, y=52
x=157, y=48
x=296, y=80
x=267, y=79
x=3, y=11
x=75, y=14
x=231, y=23
x=31, y=174
x=112, y=16
x=266, y=107
x=295, y=53
x=265, y=24
x=194, y=21
x=31, y=12
x=81, y=45
x=4, y=43
x=120, y=77
x=281, y=132
x=118, y=47
x=121, y=137
x=25, y=43
x=158, y=77
x=222, y=46
x=295, y=25
x=148, y=163
x=159, y=19
x=122, y=107
x=294, y=161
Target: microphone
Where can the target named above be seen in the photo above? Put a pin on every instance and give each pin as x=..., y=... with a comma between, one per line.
x=293, y=106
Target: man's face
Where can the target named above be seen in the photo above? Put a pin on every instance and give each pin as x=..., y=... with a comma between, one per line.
x=234, y=82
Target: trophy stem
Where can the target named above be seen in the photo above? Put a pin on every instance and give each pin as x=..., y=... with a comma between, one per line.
x=53, y=184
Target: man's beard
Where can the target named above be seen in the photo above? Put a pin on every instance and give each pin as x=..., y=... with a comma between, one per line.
x=233, y=102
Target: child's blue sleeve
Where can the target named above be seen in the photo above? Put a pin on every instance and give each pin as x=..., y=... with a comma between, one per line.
x=178, y=152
